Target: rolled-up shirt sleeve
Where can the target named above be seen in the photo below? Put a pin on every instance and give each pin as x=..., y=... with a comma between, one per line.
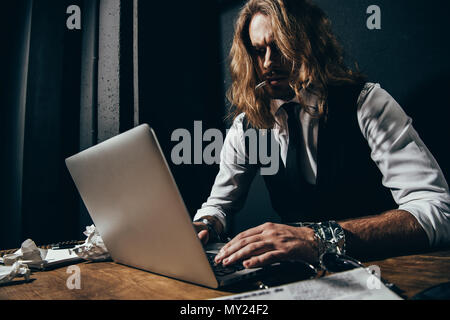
x=233, y=181
x=409, y=169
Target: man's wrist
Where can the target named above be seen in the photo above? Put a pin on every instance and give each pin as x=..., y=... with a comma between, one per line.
x=210, y=224
x=330, y=238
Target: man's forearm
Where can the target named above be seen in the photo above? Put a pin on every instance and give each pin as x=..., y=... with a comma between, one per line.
x=394, y=232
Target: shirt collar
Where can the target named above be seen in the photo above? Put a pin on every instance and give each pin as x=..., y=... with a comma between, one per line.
x=309, y=98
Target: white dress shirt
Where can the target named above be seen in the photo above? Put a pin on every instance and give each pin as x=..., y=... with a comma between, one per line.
x=409, y=170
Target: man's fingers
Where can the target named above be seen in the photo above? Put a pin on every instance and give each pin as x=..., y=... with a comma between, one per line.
x=264, y=259
x=235, y=245
x=252, y=249
x=203, y=236
x=256, y=230
x=250, y=232
x=246, y=234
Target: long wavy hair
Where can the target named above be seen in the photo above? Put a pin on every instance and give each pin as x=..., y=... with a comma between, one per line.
x=302, y=33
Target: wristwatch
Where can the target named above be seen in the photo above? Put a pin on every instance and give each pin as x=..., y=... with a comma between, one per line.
x=213, y=235
x=330, y=236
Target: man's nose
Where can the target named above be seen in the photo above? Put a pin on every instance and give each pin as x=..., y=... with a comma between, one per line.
x=268, y=58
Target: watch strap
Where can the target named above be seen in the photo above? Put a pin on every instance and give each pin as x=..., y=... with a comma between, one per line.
x=330, y=237
x=213, y=235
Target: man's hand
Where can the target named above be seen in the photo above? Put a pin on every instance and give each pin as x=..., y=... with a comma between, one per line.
x=202, y=232
x=270, y=243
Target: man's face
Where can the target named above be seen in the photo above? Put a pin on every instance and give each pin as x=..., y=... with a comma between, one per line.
x=270, y=67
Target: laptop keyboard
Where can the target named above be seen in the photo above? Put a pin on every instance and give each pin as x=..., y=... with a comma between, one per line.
x=220, y=270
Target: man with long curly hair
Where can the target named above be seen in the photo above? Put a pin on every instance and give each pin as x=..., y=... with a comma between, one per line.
x=352, y=164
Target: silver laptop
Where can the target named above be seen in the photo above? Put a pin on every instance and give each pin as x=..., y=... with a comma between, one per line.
x=135, y=204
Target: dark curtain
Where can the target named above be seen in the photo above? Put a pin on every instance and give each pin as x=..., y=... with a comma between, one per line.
x=64, y=90
x=40, y=121
x=54, y=103
x=15, y=35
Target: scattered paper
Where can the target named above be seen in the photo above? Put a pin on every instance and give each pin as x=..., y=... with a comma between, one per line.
x=93, y=248
x=357, y=284
x=28, y=254
x=58, y=257
x=36, y=258
x=18, y=264
x=17, y=269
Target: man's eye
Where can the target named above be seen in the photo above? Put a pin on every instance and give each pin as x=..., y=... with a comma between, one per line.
x=275, y=49
x=260, y=52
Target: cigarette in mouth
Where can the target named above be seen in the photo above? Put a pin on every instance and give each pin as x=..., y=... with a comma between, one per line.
x=262, y=84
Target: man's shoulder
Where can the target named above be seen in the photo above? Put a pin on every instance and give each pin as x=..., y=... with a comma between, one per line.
x=379, y=112
x=239, y=118
x=239, y=122
x=236, y=128
x=355, y=92
x=375, y=98
x=343, y=91
x=368, y=87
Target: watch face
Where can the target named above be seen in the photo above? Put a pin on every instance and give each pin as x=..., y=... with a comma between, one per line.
x=332, y=236
x=208, y=223
x=211, y=230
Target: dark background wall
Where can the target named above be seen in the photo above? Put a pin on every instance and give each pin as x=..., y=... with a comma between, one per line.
x=180, y=81
x=183, y=49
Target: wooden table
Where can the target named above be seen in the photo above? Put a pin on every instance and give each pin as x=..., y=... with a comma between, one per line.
x=415, y=273
x=108, y=280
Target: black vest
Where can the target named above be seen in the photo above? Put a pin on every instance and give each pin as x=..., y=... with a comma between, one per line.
x=348, y=184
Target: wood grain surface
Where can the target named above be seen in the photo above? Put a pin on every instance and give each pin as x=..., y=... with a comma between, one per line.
x=415, y=273
x=108, y=280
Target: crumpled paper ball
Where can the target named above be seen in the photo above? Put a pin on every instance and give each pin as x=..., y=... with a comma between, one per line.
x=93, y=249
x=17, y=269
x=28, y=254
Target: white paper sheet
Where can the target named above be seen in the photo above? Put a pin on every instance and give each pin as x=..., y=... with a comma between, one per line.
x=37, y=258
x=357, y=284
